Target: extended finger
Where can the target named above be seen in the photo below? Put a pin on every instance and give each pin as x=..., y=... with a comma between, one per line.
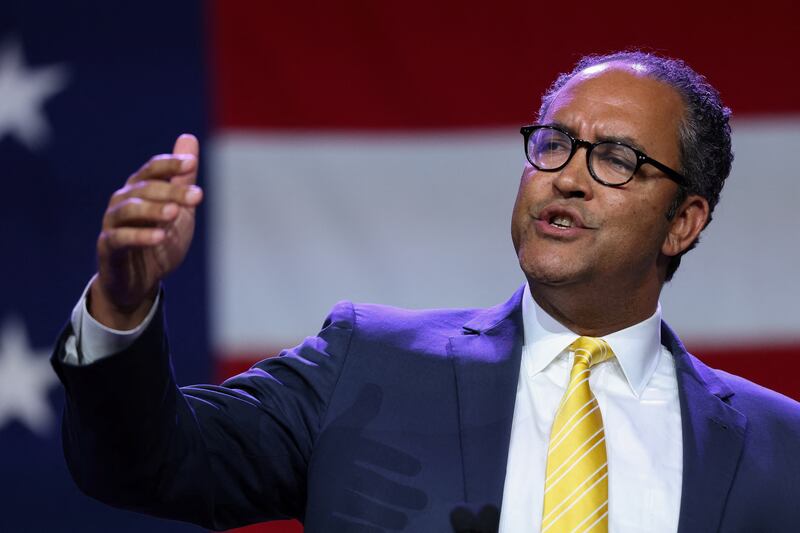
x=160, y=191
x=187, y=145
x=164, y=167
x=121, y=238
x=139, y=212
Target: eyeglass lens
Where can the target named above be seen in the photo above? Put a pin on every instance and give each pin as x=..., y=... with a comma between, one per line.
x=550, y=149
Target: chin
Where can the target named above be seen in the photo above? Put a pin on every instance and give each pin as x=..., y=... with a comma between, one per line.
x=547, y=270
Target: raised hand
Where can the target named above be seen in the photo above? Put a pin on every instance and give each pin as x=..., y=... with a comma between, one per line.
x=147, y=230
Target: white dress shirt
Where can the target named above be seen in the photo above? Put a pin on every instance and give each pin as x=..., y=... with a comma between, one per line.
x=638, y=396
x=95, y=339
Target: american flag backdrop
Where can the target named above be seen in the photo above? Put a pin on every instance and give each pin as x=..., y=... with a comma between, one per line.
x=360, y=150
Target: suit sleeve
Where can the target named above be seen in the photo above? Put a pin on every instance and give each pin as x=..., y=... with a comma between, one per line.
x=218, y=456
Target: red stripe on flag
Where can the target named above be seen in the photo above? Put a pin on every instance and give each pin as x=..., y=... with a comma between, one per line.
x=230, y=364
x=357, y=64
x=769, y=366
x=278, y=526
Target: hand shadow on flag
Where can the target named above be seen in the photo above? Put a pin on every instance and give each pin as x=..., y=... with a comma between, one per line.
x=374, y=492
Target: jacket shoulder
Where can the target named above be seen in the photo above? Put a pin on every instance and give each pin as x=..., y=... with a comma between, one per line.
x=771, y=416
x=387, y=318
x=757, y=402
x=407, y=328
x=750, y=396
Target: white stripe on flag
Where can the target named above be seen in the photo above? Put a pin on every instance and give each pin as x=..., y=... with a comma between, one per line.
x=299, y=221
x=740, y=284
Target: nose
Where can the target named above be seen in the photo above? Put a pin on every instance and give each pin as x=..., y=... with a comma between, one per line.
x=574, y=180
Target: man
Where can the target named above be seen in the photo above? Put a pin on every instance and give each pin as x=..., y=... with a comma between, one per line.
x=571, y=407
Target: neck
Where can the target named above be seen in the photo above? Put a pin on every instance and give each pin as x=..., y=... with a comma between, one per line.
x=596, y=310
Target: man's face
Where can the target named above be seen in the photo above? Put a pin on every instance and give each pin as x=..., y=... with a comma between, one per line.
x=617, y=233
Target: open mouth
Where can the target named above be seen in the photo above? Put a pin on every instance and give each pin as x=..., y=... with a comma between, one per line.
x=561, y=221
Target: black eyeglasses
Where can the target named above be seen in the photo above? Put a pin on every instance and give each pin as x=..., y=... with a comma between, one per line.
x=611, y=163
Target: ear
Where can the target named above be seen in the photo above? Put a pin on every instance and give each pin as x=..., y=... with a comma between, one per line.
x=686, y=225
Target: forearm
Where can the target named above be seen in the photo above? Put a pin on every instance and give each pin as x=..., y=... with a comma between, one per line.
x=117, y=413
x=112, y=316
x=218, y=456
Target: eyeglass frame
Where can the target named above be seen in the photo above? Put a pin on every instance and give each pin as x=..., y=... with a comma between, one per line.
x=641, y=157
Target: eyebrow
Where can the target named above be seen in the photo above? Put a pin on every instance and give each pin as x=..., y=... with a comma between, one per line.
x=603, y=138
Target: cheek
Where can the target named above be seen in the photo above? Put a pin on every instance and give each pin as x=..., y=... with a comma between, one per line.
x=637, y=223
x=521, y=213
x=646, y=226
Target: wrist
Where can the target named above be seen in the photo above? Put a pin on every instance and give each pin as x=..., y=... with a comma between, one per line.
x=112, y=315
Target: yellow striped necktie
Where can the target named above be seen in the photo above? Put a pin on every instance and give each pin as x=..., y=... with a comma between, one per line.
x=576, y=483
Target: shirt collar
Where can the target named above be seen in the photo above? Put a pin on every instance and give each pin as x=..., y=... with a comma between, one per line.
x=637, y=347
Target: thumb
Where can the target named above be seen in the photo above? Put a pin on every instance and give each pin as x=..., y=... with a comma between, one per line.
x=187, y=144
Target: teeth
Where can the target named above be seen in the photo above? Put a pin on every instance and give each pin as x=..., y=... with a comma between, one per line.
x=562, y=221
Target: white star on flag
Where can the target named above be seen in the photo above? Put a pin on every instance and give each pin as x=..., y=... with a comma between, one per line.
x=23, y=92
x=25, y=379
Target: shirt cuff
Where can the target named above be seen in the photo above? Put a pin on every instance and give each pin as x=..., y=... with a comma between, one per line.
x=92, y=341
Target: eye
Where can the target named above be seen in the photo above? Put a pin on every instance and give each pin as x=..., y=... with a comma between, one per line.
x=555, y=145
x=620, y=164
x=615, y=157
x=551, y=141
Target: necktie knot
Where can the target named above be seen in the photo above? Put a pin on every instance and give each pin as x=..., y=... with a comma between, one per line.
x=590, y=351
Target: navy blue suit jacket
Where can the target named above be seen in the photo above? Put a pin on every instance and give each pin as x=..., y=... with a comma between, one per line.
x=388, y=420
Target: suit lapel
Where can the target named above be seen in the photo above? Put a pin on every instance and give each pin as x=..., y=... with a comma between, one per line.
x=486, y=358
x=713, y=437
